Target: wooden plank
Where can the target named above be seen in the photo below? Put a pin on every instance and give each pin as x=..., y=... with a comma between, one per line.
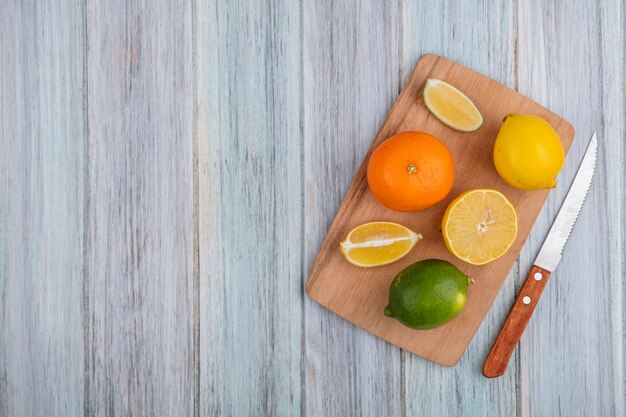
x=361, y=295
x=250, y=207
x=140, y=254
x=41, y=209
x=571, y=58
x=350, y=79
x=482, y=37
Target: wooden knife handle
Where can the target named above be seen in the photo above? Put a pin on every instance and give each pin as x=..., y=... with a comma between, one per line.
x=515, y=322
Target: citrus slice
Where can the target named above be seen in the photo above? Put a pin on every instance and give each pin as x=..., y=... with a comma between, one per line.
x=479, y=226
x=451, y=107
x=378, y=243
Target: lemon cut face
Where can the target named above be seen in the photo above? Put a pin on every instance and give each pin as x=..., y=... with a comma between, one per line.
x=451, y=106
x=479, y=226
x=378, y=243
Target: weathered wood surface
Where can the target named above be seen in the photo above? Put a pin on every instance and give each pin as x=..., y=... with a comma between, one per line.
x=41, y=209
x=573, y=347
x=250, y=207
x=347, y=90
x=140, y=239
x=178, y=164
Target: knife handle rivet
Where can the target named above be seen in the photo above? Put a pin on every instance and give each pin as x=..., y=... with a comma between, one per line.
x=538, y=276
x=526, y=300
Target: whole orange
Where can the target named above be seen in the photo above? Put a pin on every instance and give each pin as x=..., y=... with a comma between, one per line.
x=410, y=171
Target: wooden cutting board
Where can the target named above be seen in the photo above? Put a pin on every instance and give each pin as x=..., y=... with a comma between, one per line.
x=360, y=294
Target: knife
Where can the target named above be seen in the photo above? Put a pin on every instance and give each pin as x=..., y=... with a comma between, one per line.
x=545, y=263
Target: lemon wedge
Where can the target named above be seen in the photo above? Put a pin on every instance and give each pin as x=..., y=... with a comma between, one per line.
x=479, y=226
x=451, y=106
x=378, y=243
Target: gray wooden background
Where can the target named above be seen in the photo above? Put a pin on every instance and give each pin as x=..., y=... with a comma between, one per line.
x=168, y=170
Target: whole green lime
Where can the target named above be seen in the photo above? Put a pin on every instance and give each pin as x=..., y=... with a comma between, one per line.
x=427, y=294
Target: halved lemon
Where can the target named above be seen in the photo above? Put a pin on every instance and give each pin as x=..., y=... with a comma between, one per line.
x=378, y=243
x=451, y=106
x=479, y=226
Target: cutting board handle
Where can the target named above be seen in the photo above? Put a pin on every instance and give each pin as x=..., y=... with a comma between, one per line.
x=511, y=332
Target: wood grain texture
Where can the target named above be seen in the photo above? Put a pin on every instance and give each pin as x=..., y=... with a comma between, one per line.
x=250, y=206
x=516, y=321
x=141, y=227
x=282, y=88
x=573, y=347
x=360, y=295
x=482, y=36
x=350, y=79
x=41, y=208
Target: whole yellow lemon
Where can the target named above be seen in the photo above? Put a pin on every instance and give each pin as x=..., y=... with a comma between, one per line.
x=528, y=153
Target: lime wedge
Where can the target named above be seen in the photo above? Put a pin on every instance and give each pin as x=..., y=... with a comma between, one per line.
x=451, y=106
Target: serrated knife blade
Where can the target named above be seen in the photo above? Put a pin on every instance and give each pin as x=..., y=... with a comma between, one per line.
x=550, y=253
x=545, y=263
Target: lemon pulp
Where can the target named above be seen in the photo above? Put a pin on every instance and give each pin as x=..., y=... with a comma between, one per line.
x=479, y=226
x=451, y=106
x=378, y=243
